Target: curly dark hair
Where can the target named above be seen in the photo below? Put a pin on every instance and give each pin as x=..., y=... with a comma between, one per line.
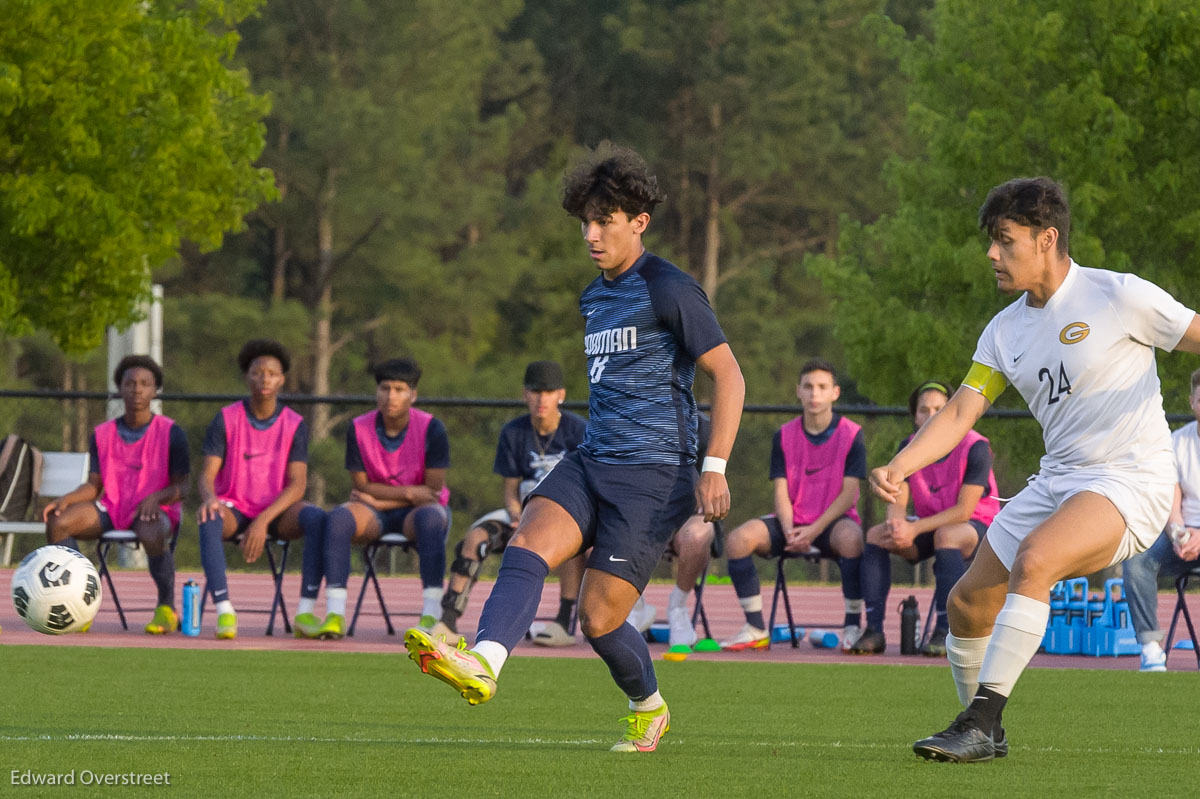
x=405, y=369
x=138, y=362
x=1037, y=203
x=608, y=179
x=257, y=348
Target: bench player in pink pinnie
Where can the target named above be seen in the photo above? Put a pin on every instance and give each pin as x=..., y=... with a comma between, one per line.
x=953, y=500
x=255, y=474
x=817, y=462
x=397, y=456
x=138, y=475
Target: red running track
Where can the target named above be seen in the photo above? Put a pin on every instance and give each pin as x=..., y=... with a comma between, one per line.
x=814, y=606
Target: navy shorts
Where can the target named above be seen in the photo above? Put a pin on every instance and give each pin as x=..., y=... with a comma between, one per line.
x=392, y=521
x=627, y=512
x=924, y=541
x=106, y=522
x=821, y=542
x=243, y=521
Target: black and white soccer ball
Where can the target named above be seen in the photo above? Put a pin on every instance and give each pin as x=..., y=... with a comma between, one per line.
x=56, y=590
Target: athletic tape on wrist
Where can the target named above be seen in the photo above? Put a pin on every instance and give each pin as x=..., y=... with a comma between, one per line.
x=712, y=464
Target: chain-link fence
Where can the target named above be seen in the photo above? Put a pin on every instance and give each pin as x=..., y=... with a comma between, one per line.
x=63, y=421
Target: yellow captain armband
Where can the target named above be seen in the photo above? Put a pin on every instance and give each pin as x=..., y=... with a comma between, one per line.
x=986, y=380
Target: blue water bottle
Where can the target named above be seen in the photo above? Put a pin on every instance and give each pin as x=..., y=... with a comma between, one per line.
x=190, y=623
x=823, y=639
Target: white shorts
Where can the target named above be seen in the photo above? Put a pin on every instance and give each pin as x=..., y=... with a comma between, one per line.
x=502, y=516
x=1144, y=505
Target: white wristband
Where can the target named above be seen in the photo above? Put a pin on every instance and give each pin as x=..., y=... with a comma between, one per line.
x=712, y=464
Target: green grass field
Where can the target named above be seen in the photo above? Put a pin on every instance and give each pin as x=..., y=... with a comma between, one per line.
x=267, y=724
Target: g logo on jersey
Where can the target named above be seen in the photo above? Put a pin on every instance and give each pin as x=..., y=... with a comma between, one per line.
x=1074, y=333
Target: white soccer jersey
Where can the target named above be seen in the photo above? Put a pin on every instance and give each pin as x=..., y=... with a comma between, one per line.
x=1085, y=365
x=1186, y=443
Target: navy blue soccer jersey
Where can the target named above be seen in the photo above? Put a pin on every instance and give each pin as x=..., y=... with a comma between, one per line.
x=644, y=331
x=523, y=454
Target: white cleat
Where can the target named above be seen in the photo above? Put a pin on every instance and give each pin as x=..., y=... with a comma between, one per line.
x=682, y=633
x=1153, y=657
x=642, y=615
x=553, y=634
x=748, y=638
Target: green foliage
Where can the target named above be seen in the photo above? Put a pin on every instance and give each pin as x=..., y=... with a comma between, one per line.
x=123, y=129
x=1099, y=95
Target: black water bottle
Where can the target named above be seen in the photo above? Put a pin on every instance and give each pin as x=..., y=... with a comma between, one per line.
x=910, y=616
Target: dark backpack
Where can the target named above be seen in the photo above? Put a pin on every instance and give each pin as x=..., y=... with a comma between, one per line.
x=20, y=478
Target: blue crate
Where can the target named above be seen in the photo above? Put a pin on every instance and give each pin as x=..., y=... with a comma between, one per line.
x=1110, y=631
x=1063, y=636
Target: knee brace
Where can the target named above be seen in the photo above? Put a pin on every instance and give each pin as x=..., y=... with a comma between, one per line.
x=465, y=566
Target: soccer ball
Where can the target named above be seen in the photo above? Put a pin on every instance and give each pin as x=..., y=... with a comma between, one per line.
x=56, y=590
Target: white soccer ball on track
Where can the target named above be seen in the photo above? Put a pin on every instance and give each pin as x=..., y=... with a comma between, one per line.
x=56, y=590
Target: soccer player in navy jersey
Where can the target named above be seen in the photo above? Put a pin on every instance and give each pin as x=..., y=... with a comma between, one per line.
x=632, y=482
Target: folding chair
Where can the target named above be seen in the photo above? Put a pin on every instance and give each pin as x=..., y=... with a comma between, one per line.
x=813, y=555
x=107, y=540
x=62, y=473
x=277, y=570
x=1181, y=608
x=928, y=629
x=388, y=540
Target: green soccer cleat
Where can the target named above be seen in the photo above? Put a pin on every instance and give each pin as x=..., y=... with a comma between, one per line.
x=334, y=627
x=306, y=625
x=427, y=622
x=457, y=666
x=226, y=626
x=164, y=621
x=646, y=729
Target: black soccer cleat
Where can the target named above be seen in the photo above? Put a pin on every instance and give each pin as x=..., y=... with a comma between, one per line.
x=935, y=647
x=1001, y=744
x=871, y=642
x=962, y=742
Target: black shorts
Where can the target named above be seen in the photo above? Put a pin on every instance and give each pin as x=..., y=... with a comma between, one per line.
x=243, y=521
x=779, y=540
x=627, y=512
x=924, y=541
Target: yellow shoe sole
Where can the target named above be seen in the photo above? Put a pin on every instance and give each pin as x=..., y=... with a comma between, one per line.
x=423, y=652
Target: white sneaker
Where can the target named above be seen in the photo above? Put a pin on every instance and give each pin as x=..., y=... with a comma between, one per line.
x=850, y=635
x=642, y=615
x=748, y=638
x=682, y=631
x=553, y=634
x=1153, y=657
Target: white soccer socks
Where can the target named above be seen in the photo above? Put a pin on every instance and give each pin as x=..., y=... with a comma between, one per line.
x=335, y=601
x=966, y=656
x=494, y=653
x=1020, y=628
x=431, y=601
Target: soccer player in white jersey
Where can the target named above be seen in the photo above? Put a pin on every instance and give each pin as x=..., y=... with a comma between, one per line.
x=1078, y=345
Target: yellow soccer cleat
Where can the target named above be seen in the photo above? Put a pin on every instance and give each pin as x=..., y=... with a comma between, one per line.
x=164, y=621
x=334, y=627
x=306, y=625
x=457, y=666
x=226, y=626
x=645, y=729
